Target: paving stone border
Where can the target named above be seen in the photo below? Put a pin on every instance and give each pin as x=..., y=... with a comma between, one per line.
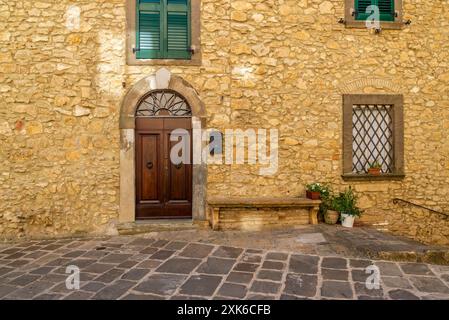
x=128, y=267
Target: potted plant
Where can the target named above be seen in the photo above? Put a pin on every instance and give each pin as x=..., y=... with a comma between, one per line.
x=326, y=211
x=316, y=190
x=331, y=216
x=346, y=204
x=374, y=168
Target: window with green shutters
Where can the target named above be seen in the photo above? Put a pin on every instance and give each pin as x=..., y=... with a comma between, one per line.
x=163, y=29
x=386, y=9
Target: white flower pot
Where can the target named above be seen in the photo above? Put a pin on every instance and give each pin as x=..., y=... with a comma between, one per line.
x=347, y=220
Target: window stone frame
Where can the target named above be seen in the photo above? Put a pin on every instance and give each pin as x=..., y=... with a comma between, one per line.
x=195, y=24
x=397, y=101
x=351, y=22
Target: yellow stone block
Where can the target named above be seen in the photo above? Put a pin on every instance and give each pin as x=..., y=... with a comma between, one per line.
x=73, y=155
x=238, y=16
x=33, y=127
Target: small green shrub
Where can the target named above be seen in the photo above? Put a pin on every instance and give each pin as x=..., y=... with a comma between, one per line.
x=346, y=202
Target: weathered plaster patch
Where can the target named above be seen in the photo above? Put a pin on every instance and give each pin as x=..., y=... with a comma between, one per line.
x=126, y=140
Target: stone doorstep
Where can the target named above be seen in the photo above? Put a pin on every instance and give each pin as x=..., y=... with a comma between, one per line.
x=413, y=253
x=440, y=257
x=370, y=243
x=137, y=227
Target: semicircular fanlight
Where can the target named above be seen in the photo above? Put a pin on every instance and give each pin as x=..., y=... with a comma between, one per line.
x=163, y=103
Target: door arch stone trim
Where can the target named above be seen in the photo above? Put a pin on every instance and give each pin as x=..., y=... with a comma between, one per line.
x=162, y=79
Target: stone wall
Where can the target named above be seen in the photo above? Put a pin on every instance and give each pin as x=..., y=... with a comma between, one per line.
x=273, y=63
x=259, y=219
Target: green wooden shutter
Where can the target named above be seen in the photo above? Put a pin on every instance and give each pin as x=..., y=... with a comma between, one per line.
x=149, y=22
x=163, y=29
x=360, y=7
x=177, y=41
x=386, y=9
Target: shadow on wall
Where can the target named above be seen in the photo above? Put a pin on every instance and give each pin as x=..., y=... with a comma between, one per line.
x=62, y=158
x=420, y=224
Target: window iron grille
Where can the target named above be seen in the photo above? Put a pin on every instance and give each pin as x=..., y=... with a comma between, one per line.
x=372, y=132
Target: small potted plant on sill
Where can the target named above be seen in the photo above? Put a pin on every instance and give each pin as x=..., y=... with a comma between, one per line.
x=316, y=190
x=346, y=204
x=375, y=168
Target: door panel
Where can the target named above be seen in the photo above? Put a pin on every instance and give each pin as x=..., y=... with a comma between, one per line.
x=149, y=178
x=178, y=175
x=150, y=167
x=177, y=178
x=163, y=189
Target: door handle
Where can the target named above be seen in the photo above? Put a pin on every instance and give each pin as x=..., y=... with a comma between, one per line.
x=150, y=165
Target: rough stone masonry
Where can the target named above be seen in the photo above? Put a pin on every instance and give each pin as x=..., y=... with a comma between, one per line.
x=265, y=64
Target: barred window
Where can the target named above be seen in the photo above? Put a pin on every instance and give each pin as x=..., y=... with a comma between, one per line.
x=372, y=137
x=373, y=134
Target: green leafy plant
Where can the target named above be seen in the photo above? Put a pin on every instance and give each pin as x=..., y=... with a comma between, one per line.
x=322, y=188
x=375, y=165
x=346, y=202
x=326, y=195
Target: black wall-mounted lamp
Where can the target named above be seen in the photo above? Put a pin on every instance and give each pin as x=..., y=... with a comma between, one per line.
x=215, y=143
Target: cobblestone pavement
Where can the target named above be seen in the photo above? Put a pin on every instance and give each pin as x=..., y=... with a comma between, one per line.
x=130, y=267
x=321, y=239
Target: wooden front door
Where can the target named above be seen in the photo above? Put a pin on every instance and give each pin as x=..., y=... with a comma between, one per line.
x=163, y=189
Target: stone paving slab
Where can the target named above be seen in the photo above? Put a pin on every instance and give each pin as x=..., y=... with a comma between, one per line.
x=147, y=268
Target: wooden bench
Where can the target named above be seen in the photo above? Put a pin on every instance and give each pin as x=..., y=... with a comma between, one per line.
x=216, y=206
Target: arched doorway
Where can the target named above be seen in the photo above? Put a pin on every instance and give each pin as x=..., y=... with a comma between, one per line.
x=160, y=82
x=163, y=182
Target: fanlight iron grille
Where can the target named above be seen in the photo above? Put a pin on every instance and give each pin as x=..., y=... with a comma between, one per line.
x=163, y=103
x=372, y=133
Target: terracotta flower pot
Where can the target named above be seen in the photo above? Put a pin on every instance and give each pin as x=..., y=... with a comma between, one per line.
x=314, y=195
x=374, y=171
x=331, y=217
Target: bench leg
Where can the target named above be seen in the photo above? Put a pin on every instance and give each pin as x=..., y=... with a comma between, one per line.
x=209, y=215
x=313, y=215
x=215, y=217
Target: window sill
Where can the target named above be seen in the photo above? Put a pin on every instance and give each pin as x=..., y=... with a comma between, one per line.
x=396, y=25
x=132, y=61
x=370, y=177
